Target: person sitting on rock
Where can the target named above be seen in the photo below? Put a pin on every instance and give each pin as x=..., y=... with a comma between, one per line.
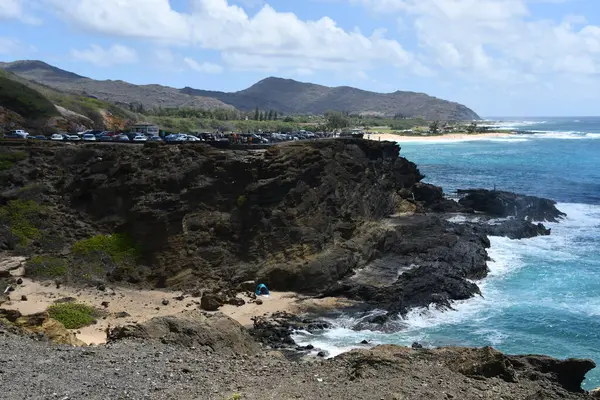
x=261, y=290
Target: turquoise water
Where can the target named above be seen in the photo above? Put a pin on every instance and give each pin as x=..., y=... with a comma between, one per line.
x=543, y=294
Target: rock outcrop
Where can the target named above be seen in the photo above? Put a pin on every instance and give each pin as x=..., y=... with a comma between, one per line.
x=561, y=378
x=506, y=204
x=41, y=326
x=215, y=332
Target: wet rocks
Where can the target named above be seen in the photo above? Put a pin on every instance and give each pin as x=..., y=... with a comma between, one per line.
x=276, y=330
x=506, y=204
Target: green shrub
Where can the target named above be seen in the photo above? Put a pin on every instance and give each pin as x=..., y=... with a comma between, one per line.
x=72, y=315
x=21, y=216
x=241, y=200
x=8, y=160
x=46, y=267
x=119, y=247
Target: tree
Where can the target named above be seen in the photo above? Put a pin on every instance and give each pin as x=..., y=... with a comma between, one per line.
x=270, y=115
x=256, y=114
x=472, y=128
x=434, y=128
x=336, y=120
x=261, y=116
x=274, y=115
x=288, y=119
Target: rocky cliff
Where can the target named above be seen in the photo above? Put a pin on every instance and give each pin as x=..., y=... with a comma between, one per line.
x=342, y=217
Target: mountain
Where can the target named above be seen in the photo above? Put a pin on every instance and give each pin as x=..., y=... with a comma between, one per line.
x=293, y=97
x=282, y=95
x=117, y=92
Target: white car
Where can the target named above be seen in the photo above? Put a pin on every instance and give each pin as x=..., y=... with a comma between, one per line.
x=57, y=137
x=140, y=138
x=73, y=138
x=88, y=137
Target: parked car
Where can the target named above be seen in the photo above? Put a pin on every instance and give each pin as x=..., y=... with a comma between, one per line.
x=37, y=137
x=155, y=139
x=122, y=138
x=73, y=138
x=88, y=137
x=57, y=137
x=105, y=138
x=140, y=138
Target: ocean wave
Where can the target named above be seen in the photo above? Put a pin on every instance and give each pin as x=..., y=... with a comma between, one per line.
x=522, y=273
x=568, y=135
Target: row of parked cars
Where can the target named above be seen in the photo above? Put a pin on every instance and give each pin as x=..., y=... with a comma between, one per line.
x=108, y=136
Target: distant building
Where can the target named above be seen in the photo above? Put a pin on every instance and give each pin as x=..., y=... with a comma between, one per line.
x=145, y=129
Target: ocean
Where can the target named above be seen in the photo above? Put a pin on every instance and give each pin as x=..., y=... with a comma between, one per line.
x=542, y=295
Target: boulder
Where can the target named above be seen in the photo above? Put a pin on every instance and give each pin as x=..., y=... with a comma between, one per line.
x=214, y=332
x=506, y=204
x=211, y=302
x=236, y=301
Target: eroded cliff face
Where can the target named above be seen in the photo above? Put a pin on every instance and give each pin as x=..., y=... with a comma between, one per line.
x=204, y=215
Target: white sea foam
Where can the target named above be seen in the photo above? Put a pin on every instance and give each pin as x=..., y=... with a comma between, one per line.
x=507, y=258
x=566, y=135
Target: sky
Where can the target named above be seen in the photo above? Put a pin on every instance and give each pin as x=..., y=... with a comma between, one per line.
x=498, y=57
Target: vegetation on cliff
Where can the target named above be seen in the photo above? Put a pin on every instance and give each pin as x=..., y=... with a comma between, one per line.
x=23, y=100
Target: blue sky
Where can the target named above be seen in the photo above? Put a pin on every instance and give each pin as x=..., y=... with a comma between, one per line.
x=499, y=57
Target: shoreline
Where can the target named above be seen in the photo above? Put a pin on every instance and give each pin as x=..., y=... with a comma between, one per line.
x=141, y=305
x=438, y=138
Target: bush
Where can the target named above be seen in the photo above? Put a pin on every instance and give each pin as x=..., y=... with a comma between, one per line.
x=100, y=256
x=119, y=247
x=72, y=315
x=46, y=267
x=8, y=160
x=21, y=216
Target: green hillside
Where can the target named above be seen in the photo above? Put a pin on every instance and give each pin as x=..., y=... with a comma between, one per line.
x=25, y=101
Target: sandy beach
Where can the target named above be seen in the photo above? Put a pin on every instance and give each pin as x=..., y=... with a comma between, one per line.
x=438, y=138
x=142, y=305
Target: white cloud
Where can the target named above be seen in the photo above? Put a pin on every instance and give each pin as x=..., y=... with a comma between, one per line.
x=114, y=55
x=205, y=67
x=266, y=40
x=14, y=9
x=15, y=48
x=9, y=46
x=498, y=39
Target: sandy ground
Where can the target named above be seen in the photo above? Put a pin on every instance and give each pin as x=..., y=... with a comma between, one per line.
x=448, y=137
x=142, y=305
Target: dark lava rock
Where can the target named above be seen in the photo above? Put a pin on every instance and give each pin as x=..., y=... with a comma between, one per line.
x=105, y=304
x=165, y=302
x=23, y=298
x=416, y=345
x=364, y=342
x=321, y=354
x=5, y=274
x=277, y=329
x=19, y=281
x=258, y=301
x=236, y=301
x=101, y=287
x=507, y=204
x=211, y=302
x=122, y=314
x=512, y=229
x=179, y=298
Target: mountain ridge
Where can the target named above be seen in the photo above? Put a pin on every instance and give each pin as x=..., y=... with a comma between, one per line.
x=284, y=95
